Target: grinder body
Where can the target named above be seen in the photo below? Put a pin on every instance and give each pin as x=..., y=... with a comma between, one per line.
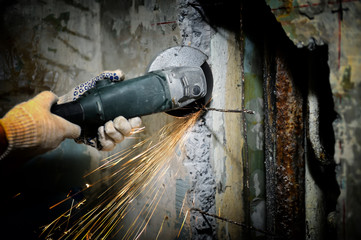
x=157, y=91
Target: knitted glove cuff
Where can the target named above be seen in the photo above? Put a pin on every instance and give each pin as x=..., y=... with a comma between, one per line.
x=20, y=130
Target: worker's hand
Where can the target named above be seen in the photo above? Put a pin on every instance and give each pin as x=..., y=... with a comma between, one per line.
x=112, y=132
x=32, y=129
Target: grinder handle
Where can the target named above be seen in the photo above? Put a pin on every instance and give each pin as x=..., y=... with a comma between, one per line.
x=71, y=111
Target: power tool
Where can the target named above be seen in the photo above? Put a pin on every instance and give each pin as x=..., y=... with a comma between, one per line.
x=179, y=82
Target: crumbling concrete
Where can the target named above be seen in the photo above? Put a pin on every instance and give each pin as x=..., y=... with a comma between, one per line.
x=201, y=194
x=197, y=33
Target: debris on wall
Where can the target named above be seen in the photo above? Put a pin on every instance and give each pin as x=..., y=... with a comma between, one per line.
x=201, y=194
x=195, y=31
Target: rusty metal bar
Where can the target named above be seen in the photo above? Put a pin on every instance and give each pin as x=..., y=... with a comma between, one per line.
x=290, y=165
x=285, y=160
x=284, y=115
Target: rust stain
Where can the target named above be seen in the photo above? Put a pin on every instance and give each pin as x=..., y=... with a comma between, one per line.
x=290, y=166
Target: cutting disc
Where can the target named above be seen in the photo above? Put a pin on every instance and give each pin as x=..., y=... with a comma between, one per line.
x=185, y=56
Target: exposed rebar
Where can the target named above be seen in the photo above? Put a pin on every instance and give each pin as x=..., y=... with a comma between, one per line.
x=233, y=222
x=230, y=110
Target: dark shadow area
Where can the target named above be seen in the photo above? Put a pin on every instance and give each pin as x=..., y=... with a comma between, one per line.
x=220, y=14
x=32, y=188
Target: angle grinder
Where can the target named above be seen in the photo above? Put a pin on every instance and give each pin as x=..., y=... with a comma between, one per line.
x=179, y=82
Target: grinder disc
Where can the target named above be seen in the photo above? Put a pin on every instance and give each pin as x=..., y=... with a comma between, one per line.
x=185, y=56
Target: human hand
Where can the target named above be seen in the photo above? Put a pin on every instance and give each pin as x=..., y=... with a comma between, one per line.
x=112, y=132
x=115, y=131
x=32, y=129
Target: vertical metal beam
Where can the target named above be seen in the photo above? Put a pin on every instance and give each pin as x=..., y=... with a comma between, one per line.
x=290, y=165
x=283, y=119
x=285, y=162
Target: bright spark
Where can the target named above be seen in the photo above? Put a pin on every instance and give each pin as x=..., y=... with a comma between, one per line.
x=139, y=172
x=185, y=217
x=161, y=227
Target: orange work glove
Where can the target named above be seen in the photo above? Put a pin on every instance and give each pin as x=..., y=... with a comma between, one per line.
x=31, y=128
